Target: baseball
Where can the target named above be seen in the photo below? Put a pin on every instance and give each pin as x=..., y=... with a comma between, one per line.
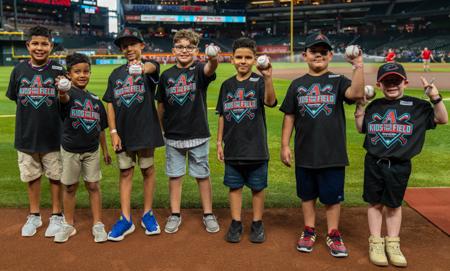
x=369, y=91
x=262, y=62
x=135, y=69
x=64, y=85
x=212, y=50
x=352, y=51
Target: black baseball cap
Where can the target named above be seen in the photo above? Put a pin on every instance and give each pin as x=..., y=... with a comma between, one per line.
x=317, y=38
x=128, y=32
x=390, y=68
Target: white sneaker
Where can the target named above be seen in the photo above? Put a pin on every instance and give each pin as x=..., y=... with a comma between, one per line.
x=54, y=225
x=65, y=232
x=99, y=233
x=30, y=227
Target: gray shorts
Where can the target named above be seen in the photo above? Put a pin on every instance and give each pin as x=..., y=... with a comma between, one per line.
x=86, y=164
x=33, y=165
x=197, y=161
x=127, y=159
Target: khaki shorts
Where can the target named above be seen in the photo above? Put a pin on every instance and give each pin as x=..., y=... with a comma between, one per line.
x=86, y=164
x=33, y=165
x=127, y=159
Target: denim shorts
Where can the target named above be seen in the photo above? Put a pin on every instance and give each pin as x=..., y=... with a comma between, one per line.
x=197, y=161
x=327, y=184
x=254, y=176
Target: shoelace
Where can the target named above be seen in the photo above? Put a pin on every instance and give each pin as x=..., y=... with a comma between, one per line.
x=307, y=235
x=395, y=249
x=172, y=218
x=336, y=238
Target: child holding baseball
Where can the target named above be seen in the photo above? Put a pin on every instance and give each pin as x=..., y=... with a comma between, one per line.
x=314, y=105
x=395, y=128
x=84, y=118
x=242, y=128
x=134, y=128
x=182, y=112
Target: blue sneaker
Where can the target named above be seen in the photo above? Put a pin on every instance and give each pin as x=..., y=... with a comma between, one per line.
x=122, y=228
x=150, y=224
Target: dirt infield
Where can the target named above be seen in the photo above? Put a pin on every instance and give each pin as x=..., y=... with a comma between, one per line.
x=442, y=79
x=192, y=248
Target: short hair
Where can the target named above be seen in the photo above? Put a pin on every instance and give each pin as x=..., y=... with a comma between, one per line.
x=39, y=31
x=244, y=42
x=190, y=35
x=76, y=58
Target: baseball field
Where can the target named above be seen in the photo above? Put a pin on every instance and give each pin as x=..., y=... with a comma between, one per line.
x=430, y=168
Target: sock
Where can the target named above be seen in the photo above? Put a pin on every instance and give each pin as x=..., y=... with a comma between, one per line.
x=35, y=214
x=176, y=214
x=58, y=214
x=205, y=215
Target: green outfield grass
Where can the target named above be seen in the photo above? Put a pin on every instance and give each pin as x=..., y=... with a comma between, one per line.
x=430, y=168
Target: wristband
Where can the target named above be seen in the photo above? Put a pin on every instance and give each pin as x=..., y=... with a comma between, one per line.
x=113, y=131
x=438, y=100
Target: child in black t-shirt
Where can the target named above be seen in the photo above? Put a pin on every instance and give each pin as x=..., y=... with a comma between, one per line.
x=242, y=128
x=182, y=112
x=314, y=105
x=134, y=128
x=84, y=118
x=395, y=128
x=38, y=127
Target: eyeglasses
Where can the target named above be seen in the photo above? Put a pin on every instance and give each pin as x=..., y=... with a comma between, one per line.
x=323, y=52
x=188, y=48
x=392, y=81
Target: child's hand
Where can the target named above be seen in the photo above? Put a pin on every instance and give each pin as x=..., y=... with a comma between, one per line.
x=430, y=89
x=285, y=156
x=106, y=158
x=267, y=72
x=220, y=155
x=116, y=142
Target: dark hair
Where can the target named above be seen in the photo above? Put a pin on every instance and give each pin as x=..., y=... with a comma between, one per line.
x=40, y=31
x=244, y=43
x=76, y=58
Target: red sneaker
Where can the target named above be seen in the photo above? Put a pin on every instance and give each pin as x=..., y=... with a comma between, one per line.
x=336, y=244
x=306, y=241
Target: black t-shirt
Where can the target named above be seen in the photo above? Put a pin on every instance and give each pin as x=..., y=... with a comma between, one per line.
x=84, y=117
x=396, y=128
x=241, y=103
x=133, y=100
x=183, y=93
x=317, y=103
x=38, y=125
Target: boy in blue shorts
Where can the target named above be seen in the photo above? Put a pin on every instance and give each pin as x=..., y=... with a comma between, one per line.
x=134, y=128
x=395, y=127
x=314, y=105
x=84, y=118
x=38, y=127
x=182, y=112
x=242, y=128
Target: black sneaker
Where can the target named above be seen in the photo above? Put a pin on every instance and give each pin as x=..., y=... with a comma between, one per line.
x=257, y=232
x=234, y=232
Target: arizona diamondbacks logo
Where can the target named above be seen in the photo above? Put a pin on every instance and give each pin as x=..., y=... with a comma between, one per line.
x=240, y=104
x=181, y=89
x=129, y=90
x=389, y=129
x=37, y=91
x=85, y=115
x=316, y=99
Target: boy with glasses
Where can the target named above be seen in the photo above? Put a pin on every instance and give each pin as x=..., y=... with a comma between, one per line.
x=182, y=112
x=395, y=128
x=314, y=105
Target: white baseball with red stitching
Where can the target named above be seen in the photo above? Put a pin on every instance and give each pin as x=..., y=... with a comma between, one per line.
x=64, y=85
